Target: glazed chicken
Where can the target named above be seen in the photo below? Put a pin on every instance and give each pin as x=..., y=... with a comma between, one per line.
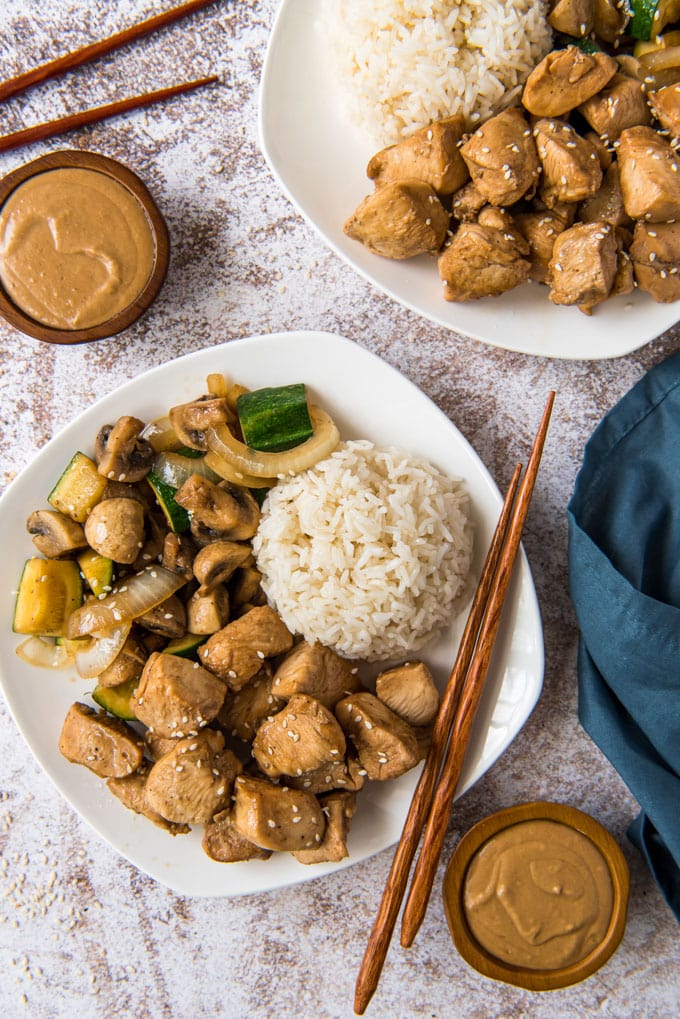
x=277, y=817
x=650, y=176
x=606, y=18
x=619, y=105
x=236, y=652
x=666, y=105
x=194, y=780
x=564, y=79
x=571, y=167
x=103, y=744
x=339, y=810
x=584, y=265
x=317, y=671
x=431, y=155
x=385, y=743
x=502, y=159
x=539, y=228
x=606, y=205
x=303, y=736
x=655, y=252
x=467, y=203
x=483, y=261
x=399, y=220
x=176, y=697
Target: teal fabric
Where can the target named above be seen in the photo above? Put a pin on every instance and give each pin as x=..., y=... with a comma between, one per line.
x=624, y=575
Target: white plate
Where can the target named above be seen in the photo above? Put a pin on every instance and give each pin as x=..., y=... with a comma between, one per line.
x=368, y=399
x=319, y=158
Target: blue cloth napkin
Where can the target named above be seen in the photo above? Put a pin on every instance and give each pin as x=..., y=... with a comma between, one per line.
x=624, y=574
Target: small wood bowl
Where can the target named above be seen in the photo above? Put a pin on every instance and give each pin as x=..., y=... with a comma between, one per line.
x=157, y=226
x=454, y=884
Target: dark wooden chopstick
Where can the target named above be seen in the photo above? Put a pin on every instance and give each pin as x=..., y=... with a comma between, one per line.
x=22, y=82
x=435, y=829
x=38, y=132
x=395, y=887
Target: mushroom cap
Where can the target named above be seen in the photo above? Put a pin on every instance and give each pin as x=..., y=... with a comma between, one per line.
x=120, y=452
x=115, y=529
x=55, y=534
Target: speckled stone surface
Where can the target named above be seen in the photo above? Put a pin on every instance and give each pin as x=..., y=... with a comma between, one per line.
x=81, y=931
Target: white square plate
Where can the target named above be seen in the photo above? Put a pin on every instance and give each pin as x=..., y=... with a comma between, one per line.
x=346, y=380
x=319, y=159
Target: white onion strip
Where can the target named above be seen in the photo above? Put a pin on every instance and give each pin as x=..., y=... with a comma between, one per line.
x=135, y=596
x=44, y=653
x=100, y=650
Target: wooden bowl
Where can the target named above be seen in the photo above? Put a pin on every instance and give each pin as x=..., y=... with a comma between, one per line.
x=454, y=884
x=17, y=317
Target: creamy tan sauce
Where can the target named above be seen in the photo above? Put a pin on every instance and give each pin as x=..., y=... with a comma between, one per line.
x=538, y=895
x=76, y=247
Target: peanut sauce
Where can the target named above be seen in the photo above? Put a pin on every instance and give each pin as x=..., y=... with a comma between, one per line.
x=539, y=894
x=76, y=247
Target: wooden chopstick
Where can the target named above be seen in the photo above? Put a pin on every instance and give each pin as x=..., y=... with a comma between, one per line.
x=50, y=128
x=435, y=829
x=22, y=82
x=395, y=887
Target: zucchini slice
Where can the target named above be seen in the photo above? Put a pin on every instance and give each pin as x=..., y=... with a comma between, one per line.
x=97, y=571
x=275, y=418
x=49, y=591
x=116, y=699
x=176, y=516
x=650, y=17
x=79, y=489
x=186, y=646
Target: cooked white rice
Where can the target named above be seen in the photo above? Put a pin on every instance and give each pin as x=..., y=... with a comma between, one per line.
x=367, y=552
x=405, y=63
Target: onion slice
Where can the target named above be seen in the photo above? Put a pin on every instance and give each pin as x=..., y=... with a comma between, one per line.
x=135, y=596
x=227, y=472
x=44, y=653
x=100, y=651
x=277, y=465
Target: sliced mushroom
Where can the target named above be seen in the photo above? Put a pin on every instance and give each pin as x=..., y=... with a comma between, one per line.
x=190, y=421
x=169, y=619
x=55, y=535
x=216, y=563
x=194, y=781
x=339, y=809
x=208, y=613
x=317, y=671
x=120, y=452
x=245, y=588
x=225, y=510
x=236, y=652
x=115, y=529
x=386, y=745
x=176, y=697
x=410, y=691
x=179, y=552
x=224, y=844
x=103, y=744
x=301, y=737
x=131, y=791
x=277, y=817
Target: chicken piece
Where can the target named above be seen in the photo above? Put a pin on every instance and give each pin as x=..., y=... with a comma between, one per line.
x=225, y=510
x=194, y=781
x=126, y=666
x=583, y=266
x=430, y=154
x=467, y=203
x=103, y=744
x=158, y=746
x=539, y=229
x=222, y=843
x=409, y=690
x=650, y=176
x=245, y=588
x=502, y=159
x=655, y=253
x=624, y=280
x=572, y=17
x=302, y=737
x=176, y=697
x=665, y=103
x=236, y=652
x=131, y=791
x=482, y=261
x=610, y=18
x=243, y=712
x=217, y=562
x=603, y=153
x=399, y=220
x=345, y=774
x=571, y=168
x=277, y=817
x=318, y=671
x=208, y=613
x=566, y=78
x=619, y=105
x=606, y=206
x=386, y=745
x=339, y=809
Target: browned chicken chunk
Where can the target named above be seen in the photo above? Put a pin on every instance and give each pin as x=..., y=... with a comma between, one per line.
x=277, y=817
x=103, y=744
x=302, y=737
x=610, y=18
x=399, y=220
x=169, y=619
x=194, y=781
x=482, y=261
x=619, y=105
x=218, y=561
x=227, y=511
x=244, y=711
x=131, y=791
x=176, y=697
x=539, y=229
x=236, y=652
x=502, y=159
x=318, y=671
x=467, y=203
x=208, y=613
x=224, y=844
x=339, y=809
x=665, y=103
x=572, y=17
x=431, y=154
x=650, y=176
x=345, y=774
x=409, y=690
x=656, y=259
x=566, y=78
x=571, y=167
x=584, y=265
x=386, y=745
x=606, y=206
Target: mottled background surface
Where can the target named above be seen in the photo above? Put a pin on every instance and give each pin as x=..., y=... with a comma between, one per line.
x=81, y=931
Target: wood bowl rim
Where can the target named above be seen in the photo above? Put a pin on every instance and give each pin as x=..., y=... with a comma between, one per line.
x=489, y=965
x=79, y=159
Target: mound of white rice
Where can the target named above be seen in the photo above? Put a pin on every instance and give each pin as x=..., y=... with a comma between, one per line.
x=405, y=63
x=366, y=552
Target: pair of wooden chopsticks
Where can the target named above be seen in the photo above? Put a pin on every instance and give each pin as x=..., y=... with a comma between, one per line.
x=436, y=787
x=14, y=86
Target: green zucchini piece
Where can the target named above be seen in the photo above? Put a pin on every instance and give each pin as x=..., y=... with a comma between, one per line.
x=49, y=591
x=275, y=418
x=97, y=571
x=79, y=488
x=116, y=699
x=176, y=516
x=650, y=17
x=186, y=646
